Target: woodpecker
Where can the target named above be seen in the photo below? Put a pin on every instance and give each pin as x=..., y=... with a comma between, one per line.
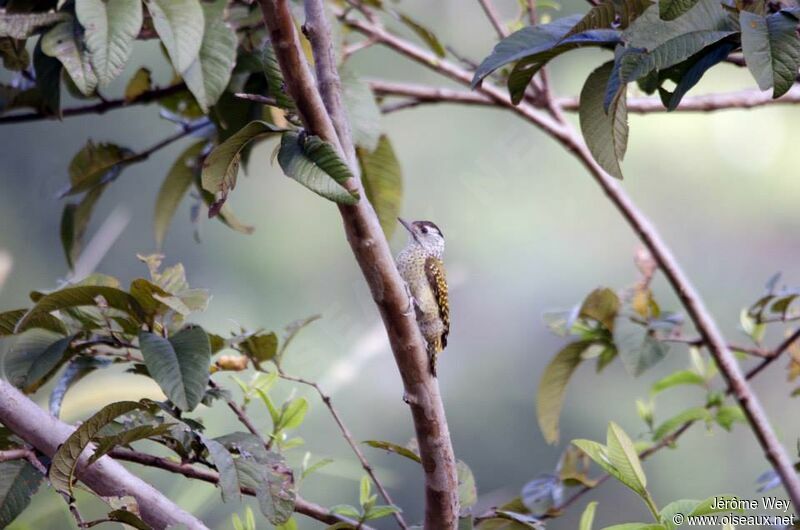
x=420, y=265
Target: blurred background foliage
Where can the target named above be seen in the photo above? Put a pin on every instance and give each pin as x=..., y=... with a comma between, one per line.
x=527, y=232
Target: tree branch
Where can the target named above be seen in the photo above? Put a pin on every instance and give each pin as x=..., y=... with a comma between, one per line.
x=326, y=399
x=98, y=108
x=301, y=506
x=494, y=18
x=105, y=477
x=388, y=290
x=565, y=134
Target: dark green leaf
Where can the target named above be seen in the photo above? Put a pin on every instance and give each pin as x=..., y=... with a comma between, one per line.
x=48, y=79
x=601, y=305
x=127, y=437
x=179, y=364
x=315, y=164
x=19, y=481
x=611, y=14
x=771, y=49
x=672, y=9
x=174, y=188
x=10, y=319
x=606, y=133
x=553, y=386
x=276, y=87
x=74, y=372
x=74, y=222
x=139, y=84
x=394, y=448
x=383, y=182
x=223, y=461
x=272, y=481
x=65, y=460
x=95, y=164
x=688, y=73
x=221, y=166
x=128, y=519
x=261, y=347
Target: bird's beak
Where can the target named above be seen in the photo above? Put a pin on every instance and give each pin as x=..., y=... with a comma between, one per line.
x=406, y=224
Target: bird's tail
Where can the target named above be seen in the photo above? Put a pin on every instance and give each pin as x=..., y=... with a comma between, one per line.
x=434, y=348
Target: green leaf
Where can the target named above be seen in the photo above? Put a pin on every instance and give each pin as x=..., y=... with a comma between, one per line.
x=174, y=188
x=292, y=414
x=363, y=112
x=601, y=305
x=65, y=460
x=128, y=519
x=14, y=53
x=19, y=481
x=272, y=479
x=669, y=426
x=637, y=347
x=623, y=456
x=682, y=377
x=668, y=512
x=346, y=510
x=427, y=36
x=139, y=84
x=606, y=134
x=221, y=166
x=10, y=319
x=74, y=222
x=95, y=164
x=587, y=519
x=688, y=73
x=85, y=295
x=210, y=72
x=276, y=86
x=672, y=9
x=110, y=28
x=179, y=364
x=553, y=386
x=383, y=182
x=728, y=415
x=22, y=25
x=364, y=490
x=316, y=165
x=467, y=491
x=598, y=453
x=771, y=49
x=394, y=448
x=180, y=25
x=48, y=79
x=378, y=512
x=609, y=14
x=127, y=437
x=704, y=507
x=226, y=467
x=64, y=43
x=261, y=347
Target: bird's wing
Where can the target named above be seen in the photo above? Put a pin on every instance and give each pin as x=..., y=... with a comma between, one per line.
x=434, y=270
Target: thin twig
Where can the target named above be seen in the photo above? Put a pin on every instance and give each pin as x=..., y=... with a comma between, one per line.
x=494, y=18
x=98, y=108
x=697, y=341
x=326, y=399
x=565, y=134
x=301, y=506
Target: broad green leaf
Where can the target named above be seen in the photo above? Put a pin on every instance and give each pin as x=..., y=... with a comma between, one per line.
x=95, y=164
x=19, y=481
x=48, y=79
x=44, y=365
x=292, y=414
x=688, y=73
x=85, y=295
x=771, y=49
x=363, y=112
x=179, y=364
x=10, y=319
x=110, y=28
x=76, y=370
x=209, y=73
x=74, y=222
x=683, y=377
x=394, y=448
x=174, y=188
x=623, y=456
x=226, y=467
x=63, y=43
x=276, y=87
x=261, y=347
x=668, y=512
x=36, y=352
x=129, y=519
x=346, y=510
x=636, y=346
x=139, y=84
x=383, y=182
x=180, y=25
x=221, y=166
x=598, y=453
x=467, y=491
x=606, y=133
x=316, y=165
x=378, y=512
x=672, y=9
x=22, y=25
x=127, y=437
x=689, y=415
x=587, y=518
x=364, y=490
x=427, y=36
x=610, y=14
x=65, y=460
x=553, y=386
x=601, y=305
x=272, y=480
x=728, y=415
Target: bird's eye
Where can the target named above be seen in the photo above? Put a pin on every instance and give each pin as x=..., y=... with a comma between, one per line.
x=424, y=229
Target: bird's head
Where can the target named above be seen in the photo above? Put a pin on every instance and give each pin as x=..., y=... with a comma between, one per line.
x=426, y=234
